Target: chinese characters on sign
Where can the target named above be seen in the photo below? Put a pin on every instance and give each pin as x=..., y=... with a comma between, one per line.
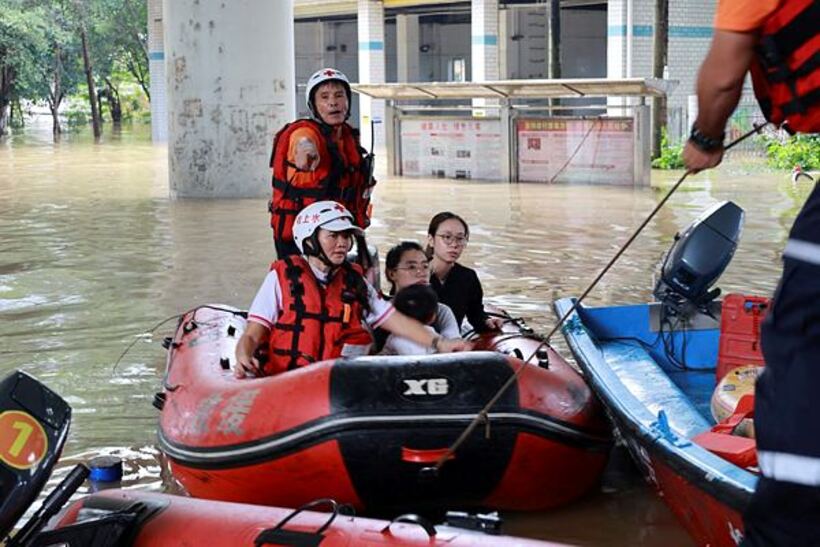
x=590, y=151
x=452, y=148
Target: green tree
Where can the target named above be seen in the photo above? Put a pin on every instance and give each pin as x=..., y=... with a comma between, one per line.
x=116, y=34
x=49, y=47
x=120, y=46
x=128, y=27
x=22, y=41
x=59, y=73
x=84, y=13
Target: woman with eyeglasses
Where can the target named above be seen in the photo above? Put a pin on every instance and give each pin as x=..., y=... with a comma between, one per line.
x=456, y=285
x=406, y=265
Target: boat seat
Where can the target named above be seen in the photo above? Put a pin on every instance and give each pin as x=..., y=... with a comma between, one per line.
x=637, y=370
x=720, y=440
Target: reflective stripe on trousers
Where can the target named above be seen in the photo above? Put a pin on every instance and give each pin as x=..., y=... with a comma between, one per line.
x=785, y=467
x=804, y=251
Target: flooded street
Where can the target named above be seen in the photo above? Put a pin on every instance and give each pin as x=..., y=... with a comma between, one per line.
x=95, y=255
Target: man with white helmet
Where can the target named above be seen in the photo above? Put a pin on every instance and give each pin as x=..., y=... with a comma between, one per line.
x=317, y=306
x=319, y=158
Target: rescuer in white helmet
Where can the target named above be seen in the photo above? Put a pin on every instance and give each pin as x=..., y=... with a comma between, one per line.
x=316, y=306
x=319, y=158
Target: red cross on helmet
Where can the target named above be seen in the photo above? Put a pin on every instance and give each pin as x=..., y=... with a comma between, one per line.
x=322, y=214
x=319, y=77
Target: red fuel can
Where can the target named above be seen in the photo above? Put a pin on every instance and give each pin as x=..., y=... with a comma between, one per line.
x=740, y=320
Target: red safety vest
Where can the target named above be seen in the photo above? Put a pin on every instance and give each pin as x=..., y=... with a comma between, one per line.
x=786, y=69
x=317, y=322
x=343, y=175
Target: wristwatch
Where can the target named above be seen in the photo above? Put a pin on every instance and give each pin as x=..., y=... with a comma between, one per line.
x=707, y=144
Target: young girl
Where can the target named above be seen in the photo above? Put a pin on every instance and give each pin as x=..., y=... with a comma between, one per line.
x=456, y=285
x=406, y=265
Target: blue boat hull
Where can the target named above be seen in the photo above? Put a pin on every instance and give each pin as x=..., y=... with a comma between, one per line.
x=655, y=384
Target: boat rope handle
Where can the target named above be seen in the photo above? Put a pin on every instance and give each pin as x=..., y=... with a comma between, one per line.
x=412, y=519
x=336, y=507
x=483, y=415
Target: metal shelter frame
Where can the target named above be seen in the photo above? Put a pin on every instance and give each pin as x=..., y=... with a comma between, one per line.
x=503, y=100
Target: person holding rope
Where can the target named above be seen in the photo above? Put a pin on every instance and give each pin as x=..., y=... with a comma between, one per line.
x=318, y=306
x=319, y=158
x=778, y=41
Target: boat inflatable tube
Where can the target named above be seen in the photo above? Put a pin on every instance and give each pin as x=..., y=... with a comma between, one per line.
x=146, y=519
x=366, y=431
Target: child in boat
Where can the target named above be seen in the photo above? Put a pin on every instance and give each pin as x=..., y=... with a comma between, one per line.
x=421, y=303
x=405, y=264
x=317, y=306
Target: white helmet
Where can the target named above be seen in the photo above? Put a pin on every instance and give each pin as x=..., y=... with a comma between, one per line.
x=322, y=214
x=321, y=76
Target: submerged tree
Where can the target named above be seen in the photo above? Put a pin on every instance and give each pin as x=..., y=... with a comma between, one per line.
x=128, y=27
x=49, y=47
x=96, y=122
x=60, y=71
x=116, y=34
x=22, y=40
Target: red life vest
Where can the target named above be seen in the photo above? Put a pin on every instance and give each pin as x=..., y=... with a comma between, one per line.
x=317, y=322
x=786, y=69
x=343, y=175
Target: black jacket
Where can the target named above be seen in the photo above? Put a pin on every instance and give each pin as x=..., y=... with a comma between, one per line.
x=462, y=291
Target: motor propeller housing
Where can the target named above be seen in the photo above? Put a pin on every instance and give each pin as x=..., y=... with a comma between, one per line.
x=699, y=256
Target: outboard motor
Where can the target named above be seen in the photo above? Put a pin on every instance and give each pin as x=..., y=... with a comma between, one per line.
x=698, y=257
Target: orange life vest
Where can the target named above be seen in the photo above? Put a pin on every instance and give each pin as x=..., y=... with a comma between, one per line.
x=344, y=174
x=317, y=322
x=786, y=69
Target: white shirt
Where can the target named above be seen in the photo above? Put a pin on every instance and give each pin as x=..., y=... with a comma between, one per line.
x=445, y=325
x=398, y=345
x=267, y=304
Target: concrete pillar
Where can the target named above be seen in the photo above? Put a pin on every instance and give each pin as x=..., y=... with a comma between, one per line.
x=371, y=71
x=230, y=78
x=620, y=30
x=485, y=50
x=508, y=63
x=407, y=47
x=156, y=70
x=554, y=43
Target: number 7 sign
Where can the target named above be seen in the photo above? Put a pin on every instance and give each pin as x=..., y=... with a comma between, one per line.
x=23, y=442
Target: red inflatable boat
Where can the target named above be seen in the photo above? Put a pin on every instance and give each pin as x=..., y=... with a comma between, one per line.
x=141, y=519
x=366, y=431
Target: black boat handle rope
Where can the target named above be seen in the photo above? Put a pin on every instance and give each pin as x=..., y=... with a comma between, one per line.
x=337, y=508
x=412, y=519
x=483, y=415
x=506, y=317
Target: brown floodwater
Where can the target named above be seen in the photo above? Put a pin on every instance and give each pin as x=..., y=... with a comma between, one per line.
x=94, y=254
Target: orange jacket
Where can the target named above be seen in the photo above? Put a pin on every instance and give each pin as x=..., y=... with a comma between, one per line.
x=786, y=69
x=343, y=175
x=317, y=322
